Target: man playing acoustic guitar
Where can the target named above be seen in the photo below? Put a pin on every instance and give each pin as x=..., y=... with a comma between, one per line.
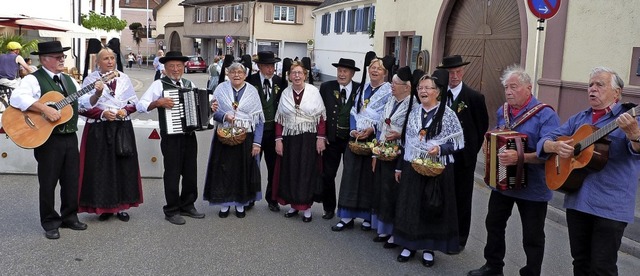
x=599, y=210
x=58, y=157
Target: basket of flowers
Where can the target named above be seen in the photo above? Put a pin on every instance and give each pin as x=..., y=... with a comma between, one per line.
x=361, y=148
x=427, y=166
x=386, y=151
x=231, y=136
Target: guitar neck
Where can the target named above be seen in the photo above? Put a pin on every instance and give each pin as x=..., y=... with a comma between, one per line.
x=69, y=99
x=602, y=132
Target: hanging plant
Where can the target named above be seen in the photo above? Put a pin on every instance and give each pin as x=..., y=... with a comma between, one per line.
x=107, y=23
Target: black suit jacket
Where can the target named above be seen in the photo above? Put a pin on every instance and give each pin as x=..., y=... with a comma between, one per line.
x=254, y=80
x=332, y=104
x=472, y=113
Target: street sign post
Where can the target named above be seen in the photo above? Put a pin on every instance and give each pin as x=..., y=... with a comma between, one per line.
x=543, y=9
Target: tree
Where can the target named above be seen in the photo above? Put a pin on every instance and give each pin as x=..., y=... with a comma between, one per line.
x=107, y=23
x=138, y=32
x=27, y=46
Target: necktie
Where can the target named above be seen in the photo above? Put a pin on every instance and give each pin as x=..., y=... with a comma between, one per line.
x=57, y=80
x=343, y=95
x=178, y=84
x=449, y=98
x=265, y=87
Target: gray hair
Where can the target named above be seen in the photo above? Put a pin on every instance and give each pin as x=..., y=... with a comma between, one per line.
x=399, y=80
x=616, y=81
x=518, y=71
x=236, y=66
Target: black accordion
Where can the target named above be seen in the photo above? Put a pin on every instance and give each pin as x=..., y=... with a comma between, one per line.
x=190, y=112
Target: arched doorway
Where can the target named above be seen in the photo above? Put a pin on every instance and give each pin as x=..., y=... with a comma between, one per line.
x=488, y=34
x=175, y=44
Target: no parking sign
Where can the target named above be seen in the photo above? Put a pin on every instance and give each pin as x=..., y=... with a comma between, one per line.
x=543, y=9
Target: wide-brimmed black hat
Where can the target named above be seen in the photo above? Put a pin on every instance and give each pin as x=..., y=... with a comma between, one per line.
x=173, y=55
x=346, y=63
x=267, y=57
x=452, y=62
x=49, y=47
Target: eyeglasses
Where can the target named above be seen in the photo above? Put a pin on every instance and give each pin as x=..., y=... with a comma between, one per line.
x=237, y=73
x=426, y=88
x=295, y=73
x=398, y=83
x=174, y=66
x=62, y=57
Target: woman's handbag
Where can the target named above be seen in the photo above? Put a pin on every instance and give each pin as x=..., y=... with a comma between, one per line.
x=124, y=147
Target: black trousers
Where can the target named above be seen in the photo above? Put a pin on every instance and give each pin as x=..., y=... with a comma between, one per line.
x=331, y=158
x=268, y=149
x=594, y=242
x=180, y=152
x=532, y=217
x=464, y=193
x=58, y=160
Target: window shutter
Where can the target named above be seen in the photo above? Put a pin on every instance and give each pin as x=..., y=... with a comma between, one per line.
x=268, y=12
x=228, y=13
x=415, y=49
x=299, y=15
x=336, y=24
x=359, y=17
x=215, y=13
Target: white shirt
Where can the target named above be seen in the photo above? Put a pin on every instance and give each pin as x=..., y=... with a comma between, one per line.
x=348, y=88
x=154, y=93
x=456, y=91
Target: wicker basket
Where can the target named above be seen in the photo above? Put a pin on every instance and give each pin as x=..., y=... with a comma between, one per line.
x=360, y=148
x=427, y=170
x=383, y=157
x=231, y=136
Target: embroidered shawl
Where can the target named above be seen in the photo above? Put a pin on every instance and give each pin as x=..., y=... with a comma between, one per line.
x=398, y=117
x=249, y=110
x=370, y=116
x=418, y=146
x=306, y=117
x=124, y=92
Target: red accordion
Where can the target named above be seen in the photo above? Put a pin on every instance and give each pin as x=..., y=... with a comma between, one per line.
x=499, y=176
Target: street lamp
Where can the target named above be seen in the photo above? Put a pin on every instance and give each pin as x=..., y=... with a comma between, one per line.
x=147, y=34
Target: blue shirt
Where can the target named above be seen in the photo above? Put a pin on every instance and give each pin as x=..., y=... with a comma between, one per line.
x=609, y=193
x=535, y=127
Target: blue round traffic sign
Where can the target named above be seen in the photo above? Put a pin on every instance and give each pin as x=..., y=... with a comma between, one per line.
x=228, y=39
x=544, y=9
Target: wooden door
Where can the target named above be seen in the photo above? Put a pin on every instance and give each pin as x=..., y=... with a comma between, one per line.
x=486, y=33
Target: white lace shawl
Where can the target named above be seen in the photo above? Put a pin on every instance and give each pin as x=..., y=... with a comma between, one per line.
x=305, y=119
x=370, y=116
x=397, y=119
x=418, y=148
x=124, y=93
x=249, y=111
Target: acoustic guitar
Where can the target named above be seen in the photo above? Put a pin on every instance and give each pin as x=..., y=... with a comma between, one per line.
x=591, y=153
x=30, y=129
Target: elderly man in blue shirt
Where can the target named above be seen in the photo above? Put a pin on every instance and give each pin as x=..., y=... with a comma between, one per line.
x=599, y=211
x=525, y=114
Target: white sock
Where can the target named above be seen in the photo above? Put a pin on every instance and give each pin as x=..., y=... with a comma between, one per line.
x=390, y=240
x=427, y=256
x=307, y=213
x=224, y=209
x=366, y=224
x=405, y=253
x=346, y=220
x=383, y=235
x=292, y=211
x=240, y=209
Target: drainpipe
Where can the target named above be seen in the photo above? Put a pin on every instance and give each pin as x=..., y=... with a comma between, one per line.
x=254, y=43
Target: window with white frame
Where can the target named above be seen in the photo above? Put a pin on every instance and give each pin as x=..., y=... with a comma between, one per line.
x=198, y=15
x=326, y=24
x=221, y=14
x=338, y=26
x=237, y=13
x=351, y=20
x=209, y=14
x=284, y=14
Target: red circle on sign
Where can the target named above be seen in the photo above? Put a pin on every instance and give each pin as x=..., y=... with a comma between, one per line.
x=543, y=9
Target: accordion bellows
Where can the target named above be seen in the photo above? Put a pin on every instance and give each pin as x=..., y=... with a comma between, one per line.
x=497, y=175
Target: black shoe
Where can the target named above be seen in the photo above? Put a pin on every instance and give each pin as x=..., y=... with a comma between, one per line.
x=250, y=205
x=291, y=214
x=456, y=252
x=485, y=270
x=341, y=226
x=404, y=259
x=273, y=207
x=307, y=219
x=381, y=239
x=240, y=214
x=389, y=245
x=222, y=214
x=328, y=215
x=76, y=225
x=192, y=213
x=175, y=219
x=52, y=234
x=123, y=216
x=105, y=216
x=428, y=263
x=364, y=227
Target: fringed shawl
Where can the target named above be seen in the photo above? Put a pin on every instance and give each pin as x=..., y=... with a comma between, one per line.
x=398, y=117
x=369, y=116
x=417, y=146
x=122, y=96
x=306, y=117
x=249, y=110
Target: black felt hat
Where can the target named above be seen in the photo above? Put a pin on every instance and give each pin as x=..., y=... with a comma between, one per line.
x=346, y=63
x=452, y=62
x=404, y=73
x=267, y=57
x=50, y=47
x=441, y=78
x=173, y=55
